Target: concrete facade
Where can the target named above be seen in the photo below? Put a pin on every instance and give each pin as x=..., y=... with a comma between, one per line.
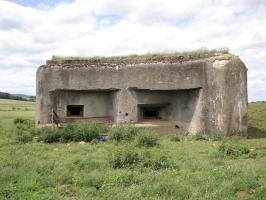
x=198, y=96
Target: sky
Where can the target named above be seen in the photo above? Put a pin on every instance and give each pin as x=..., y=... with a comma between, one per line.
x=32, y=31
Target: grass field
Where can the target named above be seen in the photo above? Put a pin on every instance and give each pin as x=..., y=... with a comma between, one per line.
x=186, y=169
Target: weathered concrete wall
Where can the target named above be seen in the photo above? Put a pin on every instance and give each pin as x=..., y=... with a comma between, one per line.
x=180, y=105
x=205, y=95
x=99, y=101
x=225, y=96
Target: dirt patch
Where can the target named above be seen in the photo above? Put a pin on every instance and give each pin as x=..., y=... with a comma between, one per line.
x=68, y=189
x=242, y=194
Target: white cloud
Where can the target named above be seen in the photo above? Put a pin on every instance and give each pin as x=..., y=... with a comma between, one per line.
x=29, y=36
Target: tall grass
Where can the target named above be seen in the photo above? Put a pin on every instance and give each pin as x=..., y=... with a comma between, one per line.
x=71, y=132
x=233, y=150
x=25, y=129
x=131, y=158
x=147, y=139
x=123, y=132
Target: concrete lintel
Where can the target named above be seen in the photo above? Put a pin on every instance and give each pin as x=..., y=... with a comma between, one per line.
x=162, y=90
x=86, y=90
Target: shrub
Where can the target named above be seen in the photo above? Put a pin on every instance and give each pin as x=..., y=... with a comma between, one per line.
x=50, y=135
x=124, y=158
x=123, y=132
x=67, y=134
x=147, y=140
x=232, y=149
x=81, y=132
x=71, y=132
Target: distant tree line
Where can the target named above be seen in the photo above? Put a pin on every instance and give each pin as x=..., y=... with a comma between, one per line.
x=258, y=102
x=4, y=95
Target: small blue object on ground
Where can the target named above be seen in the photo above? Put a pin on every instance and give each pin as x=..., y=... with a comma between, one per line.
x=100, y=138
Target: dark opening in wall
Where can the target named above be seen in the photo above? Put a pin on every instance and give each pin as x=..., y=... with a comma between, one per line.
x=75, y=110
x=151, y=113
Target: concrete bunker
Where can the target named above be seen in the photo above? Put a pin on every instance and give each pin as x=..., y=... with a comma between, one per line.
x=196, y=94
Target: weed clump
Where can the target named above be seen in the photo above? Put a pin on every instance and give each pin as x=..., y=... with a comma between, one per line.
x=49, y=135
x=25, y=130
x=86, y=132
x=24, y=136
x=157, y=163
x=216, y=136
x=123, y=132
x=233, y=150
x=81, y=132
x=130, y=158
x=94, y=180
x=147, y=140
x=20, y=120
x=175, y=138
x=126, y=179
x=124, y=158
x=72, y=132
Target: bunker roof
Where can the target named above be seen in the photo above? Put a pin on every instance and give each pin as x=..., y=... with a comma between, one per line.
x=113, y=61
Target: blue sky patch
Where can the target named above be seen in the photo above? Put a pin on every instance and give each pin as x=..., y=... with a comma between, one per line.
x=184, y=21
x=34, y=3
x=104, y=21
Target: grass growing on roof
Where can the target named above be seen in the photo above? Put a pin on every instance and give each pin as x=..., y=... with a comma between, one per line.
x=200, y=53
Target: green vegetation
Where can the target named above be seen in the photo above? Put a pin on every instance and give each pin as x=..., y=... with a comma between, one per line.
x=76, y=132
x=200, y=53
x=72, y=132
x=233, y=149
x=18, y=108
x=132, y=158
x=147, y=139
x=176, y=167
x=174, y=138
x=25, y=130
x=125, y=158
x=123, y=132
x=256, y=120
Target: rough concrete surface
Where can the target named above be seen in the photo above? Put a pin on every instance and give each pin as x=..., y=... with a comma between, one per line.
x=198, y=96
